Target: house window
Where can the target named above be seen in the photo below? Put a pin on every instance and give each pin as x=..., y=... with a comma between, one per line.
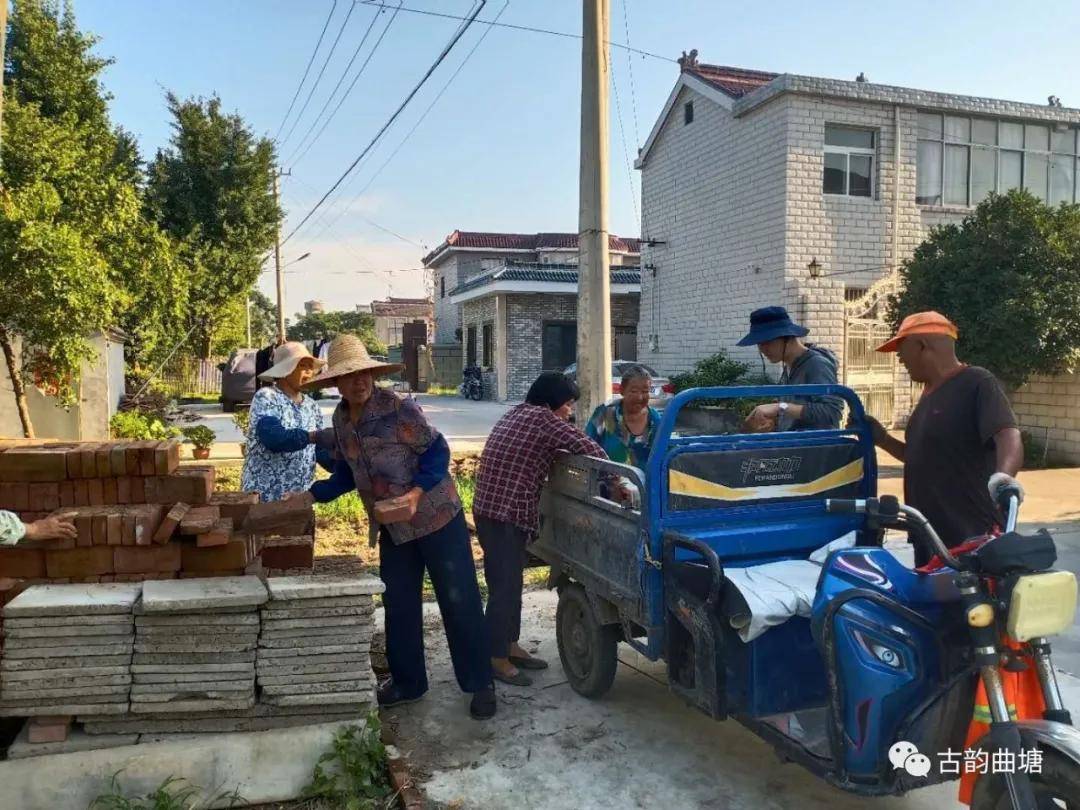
x=470, y=346
x=442, y=286
x=688, y=113
x=849, y=161
x=559, y=345
x=488, y=345
x=961, y=160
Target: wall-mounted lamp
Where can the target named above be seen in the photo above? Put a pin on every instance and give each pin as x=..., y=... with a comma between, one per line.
x=815, y=268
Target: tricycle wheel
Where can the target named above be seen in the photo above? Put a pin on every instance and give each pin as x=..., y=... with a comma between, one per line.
x=1057, y=787
x=588, y=649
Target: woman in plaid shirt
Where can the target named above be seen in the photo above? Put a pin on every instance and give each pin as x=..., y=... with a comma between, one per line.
x=513, y=469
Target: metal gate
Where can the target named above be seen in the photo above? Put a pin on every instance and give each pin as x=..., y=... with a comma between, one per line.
x=871, y=374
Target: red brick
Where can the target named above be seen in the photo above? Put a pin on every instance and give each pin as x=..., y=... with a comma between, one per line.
x=123, y=490
x=115, y=529
x=190, y=485
x=15, y=497
x=74, y=461
x=289, y=552
x=95, y=492
x=10, y=588
x=220, y=533
x=148, y=519
x=127, y=523
x=148, y=559
x=170, y=522
x=67, y=493
x=230, y=557
x=79, y=563
x=82, y=492
x=166, y=458
x=44, y=498
x=22, y=563
x=131, y=453
x=103, y=460
x=33, y=517
x=84, y=525
x=108, y=485
x=118, y=460
x=101, y=529
x=234, y=505
x=147, y=463
x=289, y=518
x=138, y=490
x=88, y=460
x=200, y=520
x=34, y=464
x=48, y=729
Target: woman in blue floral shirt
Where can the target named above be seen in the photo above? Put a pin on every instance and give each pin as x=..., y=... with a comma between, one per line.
x=625, y=427
x=285, y=428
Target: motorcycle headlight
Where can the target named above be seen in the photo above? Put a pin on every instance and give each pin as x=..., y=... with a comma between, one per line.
x=1042, y=605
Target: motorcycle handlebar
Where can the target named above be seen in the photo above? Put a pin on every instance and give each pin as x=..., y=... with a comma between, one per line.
x=912, y=517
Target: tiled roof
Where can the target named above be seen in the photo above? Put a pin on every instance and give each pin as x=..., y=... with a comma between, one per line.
x=403, y=308
x=485, y=240
x=735, y=82
x=547, y=273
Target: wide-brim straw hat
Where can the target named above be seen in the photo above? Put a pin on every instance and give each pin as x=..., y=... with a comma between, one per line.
x=287, y=357
x=347, y=355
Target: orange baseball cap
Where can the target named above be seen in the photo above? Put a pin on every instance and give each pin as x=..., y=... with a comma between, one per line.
x=921, y=323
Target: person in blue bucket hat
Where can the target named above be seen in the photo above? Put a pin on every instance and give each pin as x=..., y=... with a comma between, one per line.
x=779, y=339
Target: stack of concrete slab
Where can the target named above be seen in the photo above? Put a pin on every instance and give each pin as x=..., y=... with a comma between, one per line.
x=315, y=644
x=195, y=642
x=68, y=650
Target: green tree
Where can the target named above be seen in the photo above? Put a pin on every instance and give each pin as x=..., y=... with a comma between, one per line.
x=263, y=319
x=328, y=325
x=211, y=191
x=75, y=250
x=1009, y=277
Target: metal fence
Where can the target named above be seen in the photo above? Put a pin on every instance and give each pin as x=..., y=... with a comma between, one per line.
x=189, y=376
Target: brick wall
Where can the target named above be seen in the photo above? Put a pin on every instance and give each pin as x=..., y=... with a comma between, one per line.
x=1049, y=408
x=456, y=269
x=477, y=313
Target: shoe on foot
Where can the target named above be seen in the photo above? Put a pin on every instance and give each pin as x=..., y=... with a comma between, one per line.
x=482, y=706
x=519, y=678
x=528, y=662
x=390, y=694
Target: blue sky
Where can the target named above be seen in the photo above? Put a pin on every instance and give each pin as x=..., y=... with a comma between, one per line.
x=499, y=151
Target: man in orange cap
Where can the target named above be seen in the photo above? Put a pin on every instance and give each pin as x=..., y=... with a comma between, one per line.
x=961, y=433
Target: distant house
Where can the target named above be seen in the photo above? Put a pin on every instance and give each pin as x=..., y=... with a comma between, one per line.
x=763, y=188
x=314, y=307
x=392, y=314
x=511, y=300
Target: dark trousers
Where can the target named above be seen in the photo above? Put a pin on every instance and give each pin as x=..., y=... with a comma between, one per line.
x=447, y=556
x=504, y=567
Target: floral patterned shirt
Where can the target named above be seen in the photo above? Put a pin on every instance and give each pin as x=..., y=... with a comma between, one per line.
x=274, y=474
x=383, y=449
x=607, y=428
x=12, y=530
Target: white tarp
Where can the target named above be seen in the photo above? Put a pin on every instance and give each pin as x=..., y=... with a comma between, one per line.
x=774, y=592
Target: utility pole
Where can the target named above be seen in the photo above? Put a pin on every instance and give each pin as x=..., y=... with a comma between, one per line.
x=594, y=278
x=3, y=57
x=247, y=315
x=278, y=270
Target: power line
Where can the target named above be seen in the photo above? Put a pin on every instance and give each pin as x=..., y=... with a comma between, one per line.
x=423, y=80
x=626, y=151
x=322, y=70
x=630, y=67
x=416, y=125
x=549, y=32
x=311, y=61
x=352, y=84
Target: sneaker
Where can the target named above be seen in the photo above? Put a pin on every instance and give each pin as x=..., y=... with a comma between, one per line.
x=483, y=705
x=390, y=694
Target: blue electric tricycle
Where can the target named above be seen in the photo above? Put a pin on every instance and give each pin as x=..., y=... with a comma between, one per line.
x=753, y=566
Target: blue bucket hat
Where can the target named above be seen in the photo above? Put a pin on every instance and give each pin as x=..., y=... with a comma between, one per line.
x=769, y=323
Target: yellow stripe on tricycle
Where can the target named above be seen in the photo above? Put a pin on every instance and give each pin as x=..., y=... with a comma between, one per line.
x=680, y=483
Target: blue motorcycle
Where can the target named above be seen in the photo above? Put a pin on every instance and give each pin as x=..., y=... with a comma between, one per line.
x=755, y=569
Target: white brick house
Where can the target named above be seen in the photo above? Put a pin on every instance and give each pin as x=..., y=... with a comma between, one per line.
x=510, y=300
x=762, y=188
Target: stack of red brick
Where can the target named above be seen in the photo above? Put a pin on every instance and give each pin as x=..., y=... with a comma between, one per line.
x=139, y=516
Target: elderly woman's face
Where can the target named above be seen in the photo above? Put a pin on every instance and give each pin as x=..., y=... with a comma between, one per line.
x=302, y=374
x=635, y=394
x=356, y=388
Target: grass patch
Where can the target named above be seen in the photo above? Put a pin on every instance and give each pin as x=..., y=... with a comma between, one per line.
x=353, y=774
x=442, y=391
x=172, y=794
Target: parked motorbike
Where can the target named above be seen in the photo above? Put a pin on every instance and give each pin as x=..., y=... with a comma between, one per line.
x=472, y=383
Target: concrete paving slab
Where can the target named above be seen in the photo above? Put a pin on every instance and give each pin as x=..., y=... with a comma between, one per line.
x=188, y=635
x=262, y=767
x=76, y=742
x=74, y=600
x=154, y=729
x=75, y=650
x=356, y=685
x=72, y=709
x=91, y=693
x=310, y=622
x=62, y=687
x=55, y=675
x=318, y=674
x=169, y=693
x=185, y=706
x=286, y=614
x=202, y=595
x=143, y=659
x=356, y=633
x=359, y=699
x=69, y=621
x=275, y=642
x=205, y=647
x=13, y=634
x=67, y=642
x=280, y=605
x=185, y=668
x=301, y=652
x=362, y=656
x=178, y=680
x=313, y=587
x=35, y=664
x=246, y=619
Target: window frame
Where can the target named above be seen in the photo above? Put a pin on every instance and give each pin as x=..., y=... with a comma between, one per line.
x=470, y=345
x=847, y=152
x=545, y=366
x=688, y=113
x=487, y=344
x=442, y=286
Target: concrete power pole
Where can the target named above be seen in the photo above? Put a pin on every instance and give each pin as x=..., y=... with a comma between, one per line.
x=594, y=278
x=3, y=57
x=278, y=271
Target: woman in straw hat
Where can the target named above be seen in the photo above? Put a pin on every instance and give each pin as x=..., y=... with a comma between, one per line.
x=284, y=427
x=400, y=466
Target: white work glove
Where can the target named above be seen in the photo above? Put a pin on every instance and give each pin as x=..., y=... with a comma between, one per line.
x=1000, y=481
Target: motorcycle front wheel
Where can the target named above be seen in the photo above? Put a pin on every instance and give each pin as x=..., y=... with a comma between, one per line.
x=1057, y=786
